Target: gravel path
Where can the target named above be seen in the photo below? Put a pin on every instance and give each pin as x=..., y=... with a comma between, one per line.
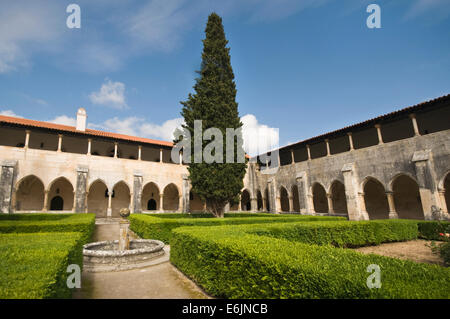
x=415, y=250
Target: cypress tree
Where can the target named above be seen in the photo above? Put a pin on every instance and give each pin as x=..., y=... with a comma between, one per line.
x=214, y=102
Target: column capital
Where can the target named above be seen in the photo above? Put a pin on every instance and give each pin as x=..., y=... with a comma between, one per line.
x=412, y=115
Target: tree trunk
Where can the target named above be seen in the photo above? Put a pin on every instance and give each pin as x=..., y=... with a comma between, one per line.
x=217, y=208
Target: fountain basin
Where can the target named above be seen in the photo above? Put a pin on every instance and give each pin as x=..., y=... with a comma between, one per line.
x=105, y=255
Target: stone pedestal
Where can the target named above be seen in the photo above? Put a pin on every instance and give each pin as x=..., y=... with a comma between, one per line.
x=124, y=238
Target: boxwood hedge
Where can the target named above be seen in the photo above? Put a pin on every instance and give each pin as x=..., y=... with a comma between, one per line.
x=344, y=233
x=161, y=226
x=36, y=223
x=430, y=229
x=34, y=265
x=236, y=262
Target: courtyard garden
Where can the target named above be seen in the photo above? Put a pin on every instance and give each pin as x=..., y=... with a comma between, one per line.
x=243, y=255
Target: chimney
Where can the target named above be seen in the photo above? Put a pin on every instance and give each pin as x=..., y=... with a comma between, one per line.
x=81, y=119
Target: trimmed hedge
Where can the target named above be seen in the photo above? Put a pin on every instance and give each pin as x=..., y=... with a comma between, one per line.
x=34, y=266
x=41, y=223
x=430, y=229
x=345, y=233
x=235, y=262
x=155, y=227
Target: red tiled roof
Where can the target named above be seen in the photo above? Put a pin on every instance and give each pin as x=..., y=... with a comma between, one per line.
x=378, y=119
x=71, y=129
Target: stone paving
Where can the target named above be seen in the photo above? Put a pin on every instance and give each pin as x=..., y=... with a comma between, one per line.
x=160, y=281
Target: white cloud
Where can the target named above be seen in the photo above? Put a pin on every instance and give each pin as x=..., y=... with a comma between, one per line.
x=135, y=126
x=111, y=94
x=64, y=120
x=164, y=131
x=439, y=8
x=258, y=138
x=26, y=26
x=9, y=113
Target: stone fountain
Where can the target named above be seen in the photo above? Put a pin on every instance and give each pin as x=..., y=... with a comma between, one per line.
x=122, y=254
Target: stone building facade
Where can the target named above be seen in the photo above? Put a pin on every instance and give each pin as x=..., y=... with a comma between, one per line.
x=394, y=166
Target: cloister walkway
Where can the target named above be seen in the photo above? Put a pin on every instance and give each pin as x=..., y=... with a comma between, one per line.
x=161, y=281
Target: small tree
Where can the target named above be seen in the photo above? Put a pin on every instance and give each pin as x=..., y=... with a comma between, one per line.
x=214, y=102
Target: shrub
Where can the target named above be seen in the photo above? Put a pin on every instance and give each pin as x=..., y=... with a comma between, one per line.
x=36, y=223
x=431, y=229
x=235, y=262
x=155, y=227
x=34, y=266
x=344, y=233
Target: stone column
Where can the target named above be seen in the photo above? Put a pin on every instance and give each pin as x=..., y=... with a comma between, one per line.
x=180, y=203
x=392, y=212
x=45, y=208
x=160, y=155
x=60, y=137
x=181, y=158
x=330, y=204
x=350, y=140
x=443, y=202
x=291, y=204
x=8, y=169
x=292, y=157
x=27, y=138
x=327, y=142
x=89, y=146
x=115, y=150
x=81, y=190
x=226, y=208
x=137, y=193
x=425, y=178
x=308, y=149
x=380, y=137
x=186, y=191
x=364, y=214
x=264, y=205
x=74, y=206
x=109, y=210
x=161, y=202
x=254, y=204
x=415, y=126
x=302, y=186
x=355, y=204
x=139, y=153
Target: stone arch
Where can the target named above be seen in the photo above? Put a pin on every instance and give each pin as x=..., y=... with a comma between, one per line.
x=407, y=197
x=338, y=198
x=245, y=200
x=171, y=197
x=375, y=199
x=320, y=199
x=150, y=197
x=121, y=198
x=61, y=187
x=267, y=199
x=259, y=200
x=196, y=204
x=284, y=199
x=295, y=199
x=29, y=194
x=97, y=201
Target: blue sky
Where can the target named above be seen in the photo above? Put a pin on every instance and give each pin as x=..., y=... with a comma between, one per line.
x=305, y=67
